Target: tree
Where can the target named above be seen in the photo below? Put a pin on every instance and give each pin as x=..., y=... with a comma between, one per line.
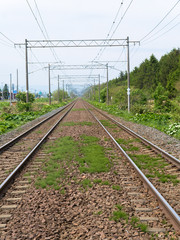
x=21, y=97
x=168, y=64
x=55, y=95
x=161, y=100
x=5, y=91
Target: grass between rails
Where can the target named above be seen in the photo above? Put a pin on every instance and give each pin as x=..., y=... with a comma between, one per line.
x=77, y=123
x=119, y=215
x=154, y=165
x=87, y=154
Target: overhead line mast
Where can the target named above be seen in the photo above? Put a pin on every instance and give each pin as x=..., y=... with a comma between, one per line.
x=76, y=43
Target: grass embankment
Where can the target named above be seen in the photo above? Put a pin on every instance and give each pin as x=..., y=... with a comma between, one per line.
x=165, y=122
x=11, y=117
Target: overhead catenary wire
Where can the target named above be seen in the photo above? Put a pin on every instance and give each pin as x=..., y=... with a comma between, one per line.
x=162, y=27
x=45, y=29
x=163, y=33
x=7, y=38
x=44, y=32
x=112, y=25
x=160, y=21
x=102, y=50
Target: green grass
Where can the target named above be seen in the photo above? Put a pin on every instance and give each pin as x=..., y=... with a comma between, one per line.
x=165, y=122
x=97, y=180
x=86, y=183
x=155, y=166
x=107, y=123
x=78, y=109
x=77, y=123
x=94, y=159
x=105, y=183
x=86, y=154
x=119, y=215
x=125, y=144
x=62, y=150
x=11, y=117
x=116, y=187
x=98, y=213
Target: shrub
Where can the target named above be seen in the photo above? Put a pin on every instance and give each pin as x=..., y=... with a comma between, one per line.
x=22, y=106
x=21, y=97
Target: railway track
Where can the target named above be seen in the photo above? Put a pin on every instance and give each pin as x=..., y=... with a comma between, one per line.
x=119, y=183
x=16, y=151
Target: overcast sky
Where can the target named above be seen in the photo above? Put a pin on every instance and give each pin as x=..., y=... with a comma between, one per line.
x=83, y=19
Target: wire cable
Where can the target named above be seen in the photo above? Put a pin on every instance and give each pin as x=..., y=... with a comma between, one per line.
x=45, y=29
x=163, y=33
x=162, y=28
x=160, y=21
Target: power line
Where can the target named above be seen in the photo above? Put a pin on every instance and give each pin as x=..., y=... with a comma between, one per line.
x=7, y=38
x=42, y=31
x=52, y=50
x=164, y=33
x=113, y=23
x=162, y=28
x=160, y=21
x=121, y=19
x=102, y=50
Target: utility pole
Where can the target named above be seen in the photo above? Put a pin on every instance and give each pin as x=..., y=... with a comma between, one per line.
x=94, y=90
x=63, y=90
x=99, y=88
x=107, y=84
x=49, y=78
x=58, y=90
x=128, y=75
x=27, y=80
x=10, y=89
x=17, y=80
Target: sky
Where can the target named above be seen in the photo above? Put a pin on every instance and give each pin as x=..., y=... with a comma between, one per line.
x=156, y=24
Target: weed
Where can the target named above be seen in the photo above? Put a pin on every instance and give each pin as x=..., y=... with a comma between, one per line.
x=119, y=214
x=99, y=213
x=27, y=174
x=134, y=221
x=105, y=183
x=164, y=221
x=97, y=181
x=93, y=156
x=77, y=123
x=143, y=227
x=78, y=109
x=116, y=187
x=86, y=183
x=155, y=166
x=107, y=123
x=62, y=191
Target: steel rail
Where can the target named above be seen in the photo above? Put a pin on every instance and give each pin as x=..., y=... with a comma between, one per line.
x=158, y=150
x=14, y=140
x=17, y=170
x=168, y=210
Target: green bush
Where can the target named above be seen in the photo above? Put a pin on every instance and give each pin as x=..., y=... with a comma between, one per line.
x=161, y=100
x=21, y=97
x=22, y=106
